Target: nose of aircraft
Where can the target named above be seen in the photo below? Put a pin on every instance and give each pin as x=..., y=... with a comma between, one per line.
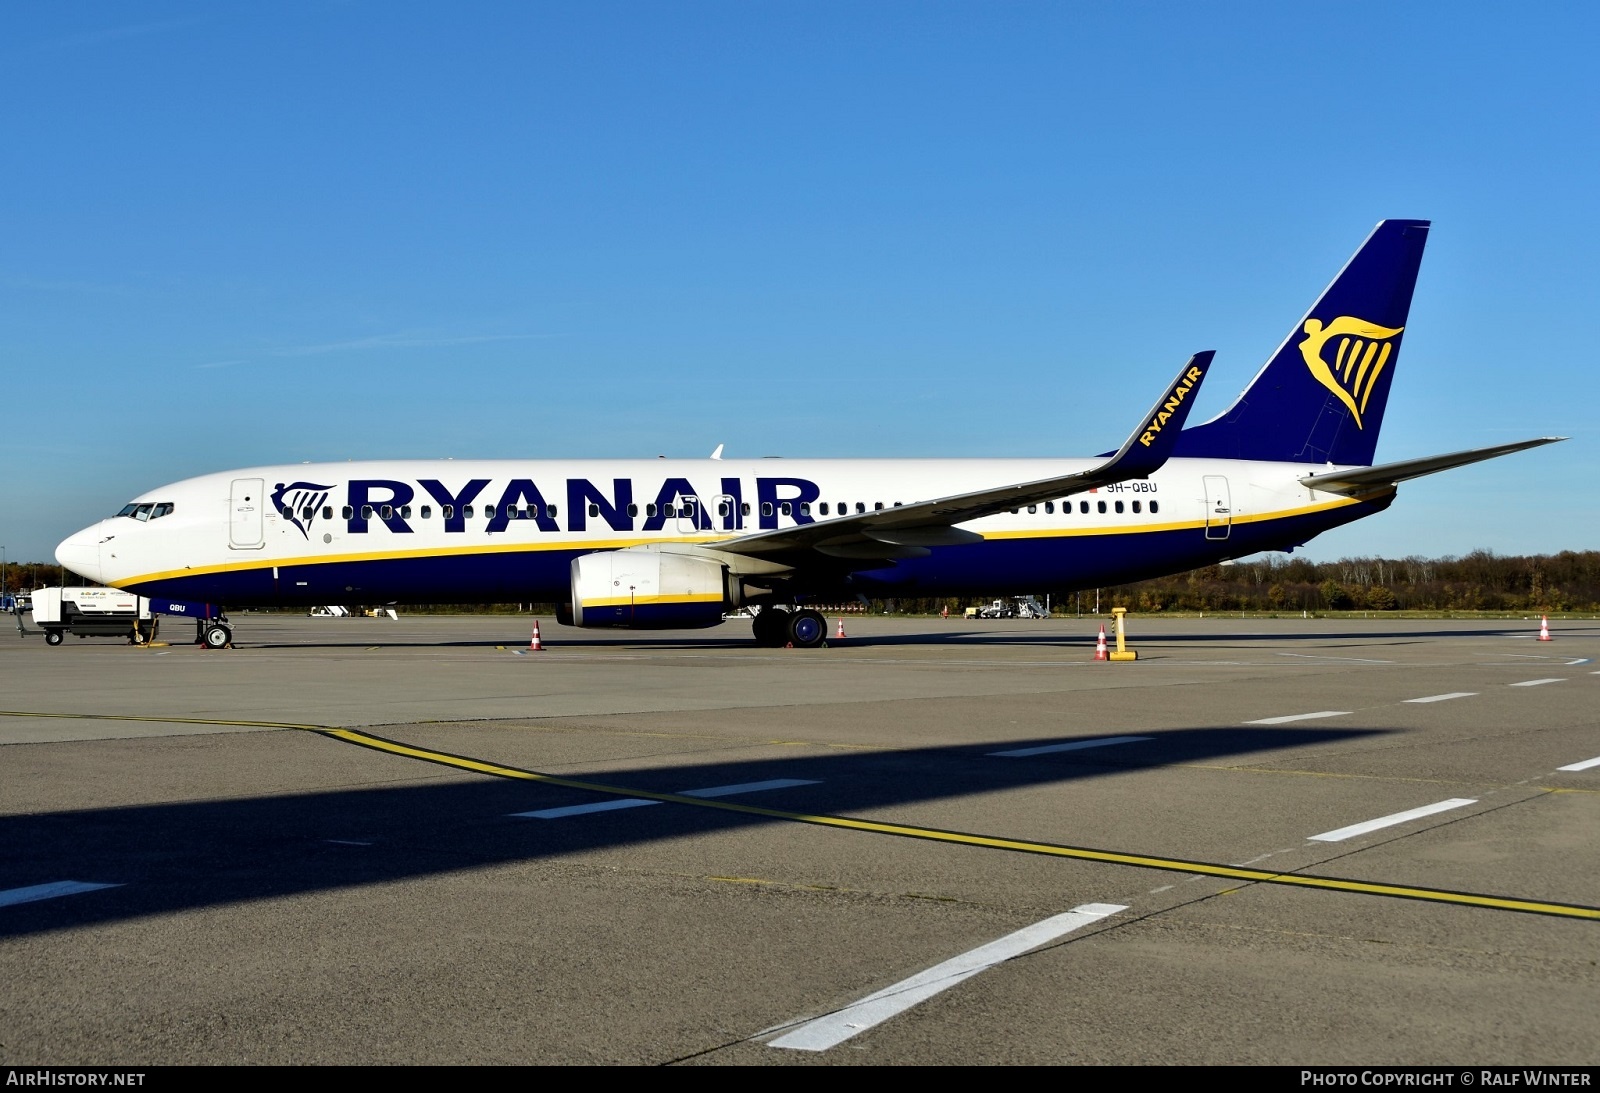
x=80, y=553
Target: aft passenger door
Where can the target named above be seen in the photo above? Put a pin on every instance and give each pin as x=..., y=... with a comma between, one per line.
x=246, y=502
x=1219, y=507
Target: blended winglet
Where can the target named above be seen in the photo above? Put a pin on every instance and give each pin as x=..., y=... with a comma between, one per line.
x=1152, y=443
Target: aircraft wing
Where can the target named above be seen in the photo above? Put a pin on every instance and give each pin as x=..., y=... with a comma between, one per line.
x=906, y=531
x=1365, y=479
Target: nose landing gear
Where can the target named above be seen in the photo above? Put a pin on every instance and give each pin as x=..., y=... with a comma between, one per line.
x=213, y=633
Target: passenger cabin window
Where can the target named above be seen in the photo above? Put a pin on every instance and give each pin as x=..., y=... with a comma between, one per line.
x=1033, y=508
x=447, y=511
x=1101, y=505
x=327, y=512
x=1118, y=505
x=347, y=512
x=386, y=511
x=805, y=508
x=822, y=507
x=668, y=510
x=1083, y=506
x=861, y=506
x=366, y=512
x=1136, y=506
x=488, y=512
x=744, y=508
x=427, y=512
x=1049, y=506
x=405, y=512
x=550, y=511
x=766, y=508
x=633, y=510
x=594, y=510
x=786, y=508
x=723, y=508
x=1155, y=506
x=466, y=512
x=650, y=509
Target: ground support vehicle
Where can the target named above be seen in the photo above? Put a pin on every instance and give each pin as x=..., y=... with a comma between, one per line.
x=110, y=612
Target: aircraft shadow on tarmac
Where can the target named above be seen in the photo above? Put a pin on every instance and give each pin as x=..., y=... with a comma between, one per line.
x=975, y=638
x=193, y=854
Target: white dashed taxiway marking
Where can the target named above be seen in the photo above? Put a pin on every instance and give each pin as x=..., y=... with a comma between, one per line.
x=1284, y=720
x=874, y=1009
x=1075, y=745
x=1585, y=765
x=49, y=891
x=1444, y=698
x=639, y=802
x=1381, y=822
x=1352, y=660
x=1534, y=682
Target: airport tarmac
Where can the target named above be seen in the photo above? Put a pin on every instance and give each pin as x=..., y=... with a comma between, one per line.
x=936, y=841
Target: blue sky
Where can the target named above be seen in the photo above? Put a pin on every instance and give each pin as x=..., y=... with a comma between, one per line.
x=241, y=234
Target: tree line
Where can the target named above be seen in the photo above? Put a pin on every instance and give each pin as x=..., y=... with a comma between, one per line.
x=1479, y=581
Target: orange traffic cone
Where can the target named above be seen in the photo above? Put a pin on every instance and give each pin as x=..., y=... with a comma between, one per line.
x=535, y=645
x=1100, y=645
x=838, y=636
x=1544, y=628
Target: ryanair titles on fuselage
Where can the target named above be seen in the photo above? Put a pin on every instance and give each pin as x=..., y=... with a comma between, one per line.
x=575, y=501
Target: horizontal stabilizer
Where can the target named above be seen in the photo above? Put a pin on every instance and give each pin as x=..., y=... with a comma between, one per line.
x=885, y=533
x=1366, y=479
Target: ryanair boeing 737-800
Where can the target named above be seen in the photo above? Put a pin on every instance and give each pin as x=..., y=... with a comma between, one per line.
x=676, y=543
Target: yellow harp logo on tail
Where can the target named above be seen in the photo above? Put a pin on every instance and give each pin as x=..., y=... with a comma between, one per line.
x=1363, y=349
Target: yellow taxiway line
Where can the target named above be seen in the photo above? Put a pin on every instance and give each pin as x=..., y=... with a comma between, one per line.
x=907, y=831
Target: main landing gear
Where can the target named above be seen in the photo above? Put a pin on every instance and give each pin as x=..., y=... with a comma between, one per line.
x=803, y=629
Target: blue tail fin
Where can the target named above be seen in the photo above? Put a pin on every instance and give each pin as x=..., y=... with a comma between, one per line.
x=1320, y=398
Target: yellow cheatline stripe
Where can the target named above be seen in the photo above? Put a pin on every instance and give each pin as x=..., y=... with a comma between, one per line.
x=1109, y=857
x=710, y=539
x=1176, y=525
x=448, y=551
x=647, y=601
x=961, y=838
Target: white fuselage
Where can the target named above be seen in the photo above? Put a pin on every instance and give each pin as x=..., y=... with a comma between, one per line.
x=506, y=530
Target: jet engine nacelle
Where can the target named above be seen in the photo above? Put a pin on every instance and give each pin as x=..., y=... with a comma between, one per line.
x=642, y=589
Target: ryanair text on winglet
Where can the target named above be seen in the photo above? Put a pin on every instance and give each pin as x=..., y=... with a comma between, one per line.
x=1170, y=406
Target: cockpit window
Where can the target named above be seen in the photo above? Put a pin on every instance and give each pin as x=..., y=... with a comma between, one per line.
x=146, y=510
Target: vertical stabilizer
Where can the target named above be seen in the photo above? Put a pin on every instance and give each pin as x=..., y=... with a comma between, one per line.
x=1321, y=396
